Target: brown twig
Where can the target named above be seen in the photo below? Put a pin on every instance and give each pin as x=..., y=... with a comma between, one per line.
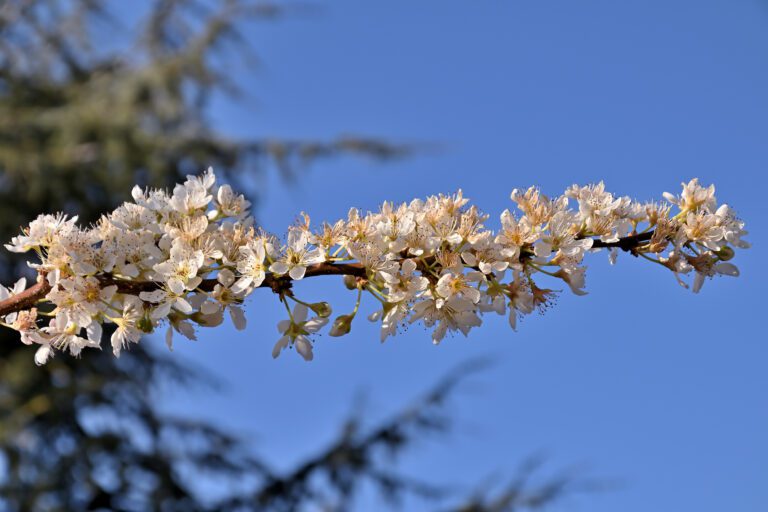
x=26, y=299
x=627, y=243
x=29, y=297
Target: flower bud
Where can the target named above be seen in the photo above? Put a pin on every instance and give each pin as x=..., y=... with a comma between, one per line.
x=321, y=309
x=726, y=253
x=350, y=282
x=342, y=325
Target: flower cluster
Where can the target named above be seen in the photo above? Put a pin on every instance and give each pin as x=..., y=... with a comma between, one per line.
x=185, y=258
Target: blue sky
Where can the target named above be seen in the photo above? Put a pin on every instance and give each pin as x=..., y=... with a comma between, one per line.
x=640, y=382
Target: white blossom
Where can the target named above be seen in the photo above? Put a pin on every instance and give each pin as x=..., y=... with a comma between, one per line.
x=694, y=196
x=297, y=256
x=250, y=266
x=127, y=330
x=181, y=260
x=42, y=232
x=296, y=331
x=180, y=270
x=454, y=314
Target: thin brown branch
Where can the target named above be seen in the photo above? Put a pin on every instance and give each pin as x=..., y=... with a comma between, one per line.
x=278, y=284
x=32, y=295
x=26, y=299
x=627, y=243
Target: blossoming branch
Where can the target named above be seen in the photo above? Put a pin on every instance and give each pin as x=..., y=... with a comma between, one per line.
x=184, y=258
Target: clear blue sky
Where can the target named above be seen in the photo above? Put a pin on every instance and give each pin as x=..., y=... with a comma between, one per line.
x=640, y=382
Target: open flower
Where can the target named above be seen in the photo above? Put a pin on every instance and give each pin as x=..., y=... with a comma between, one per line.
x=193, y=194
x=297, y=256
x=455, y=314
x=79, y=299
x=707, y=266
x=404, y=284
x=231, y=204
x=455, y=282
x=180, y=270
x=166, y=300
x=515, y=234
x=296, y=330
x=42, y=232
x=250, y=266
x=226, y=296
x=127, y=330
x=694, y=196
x=574, y=278
x=561, y=238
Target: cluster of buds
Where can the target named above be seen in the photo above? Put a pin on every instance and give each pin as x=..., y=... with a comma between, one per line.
x=185, y=258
